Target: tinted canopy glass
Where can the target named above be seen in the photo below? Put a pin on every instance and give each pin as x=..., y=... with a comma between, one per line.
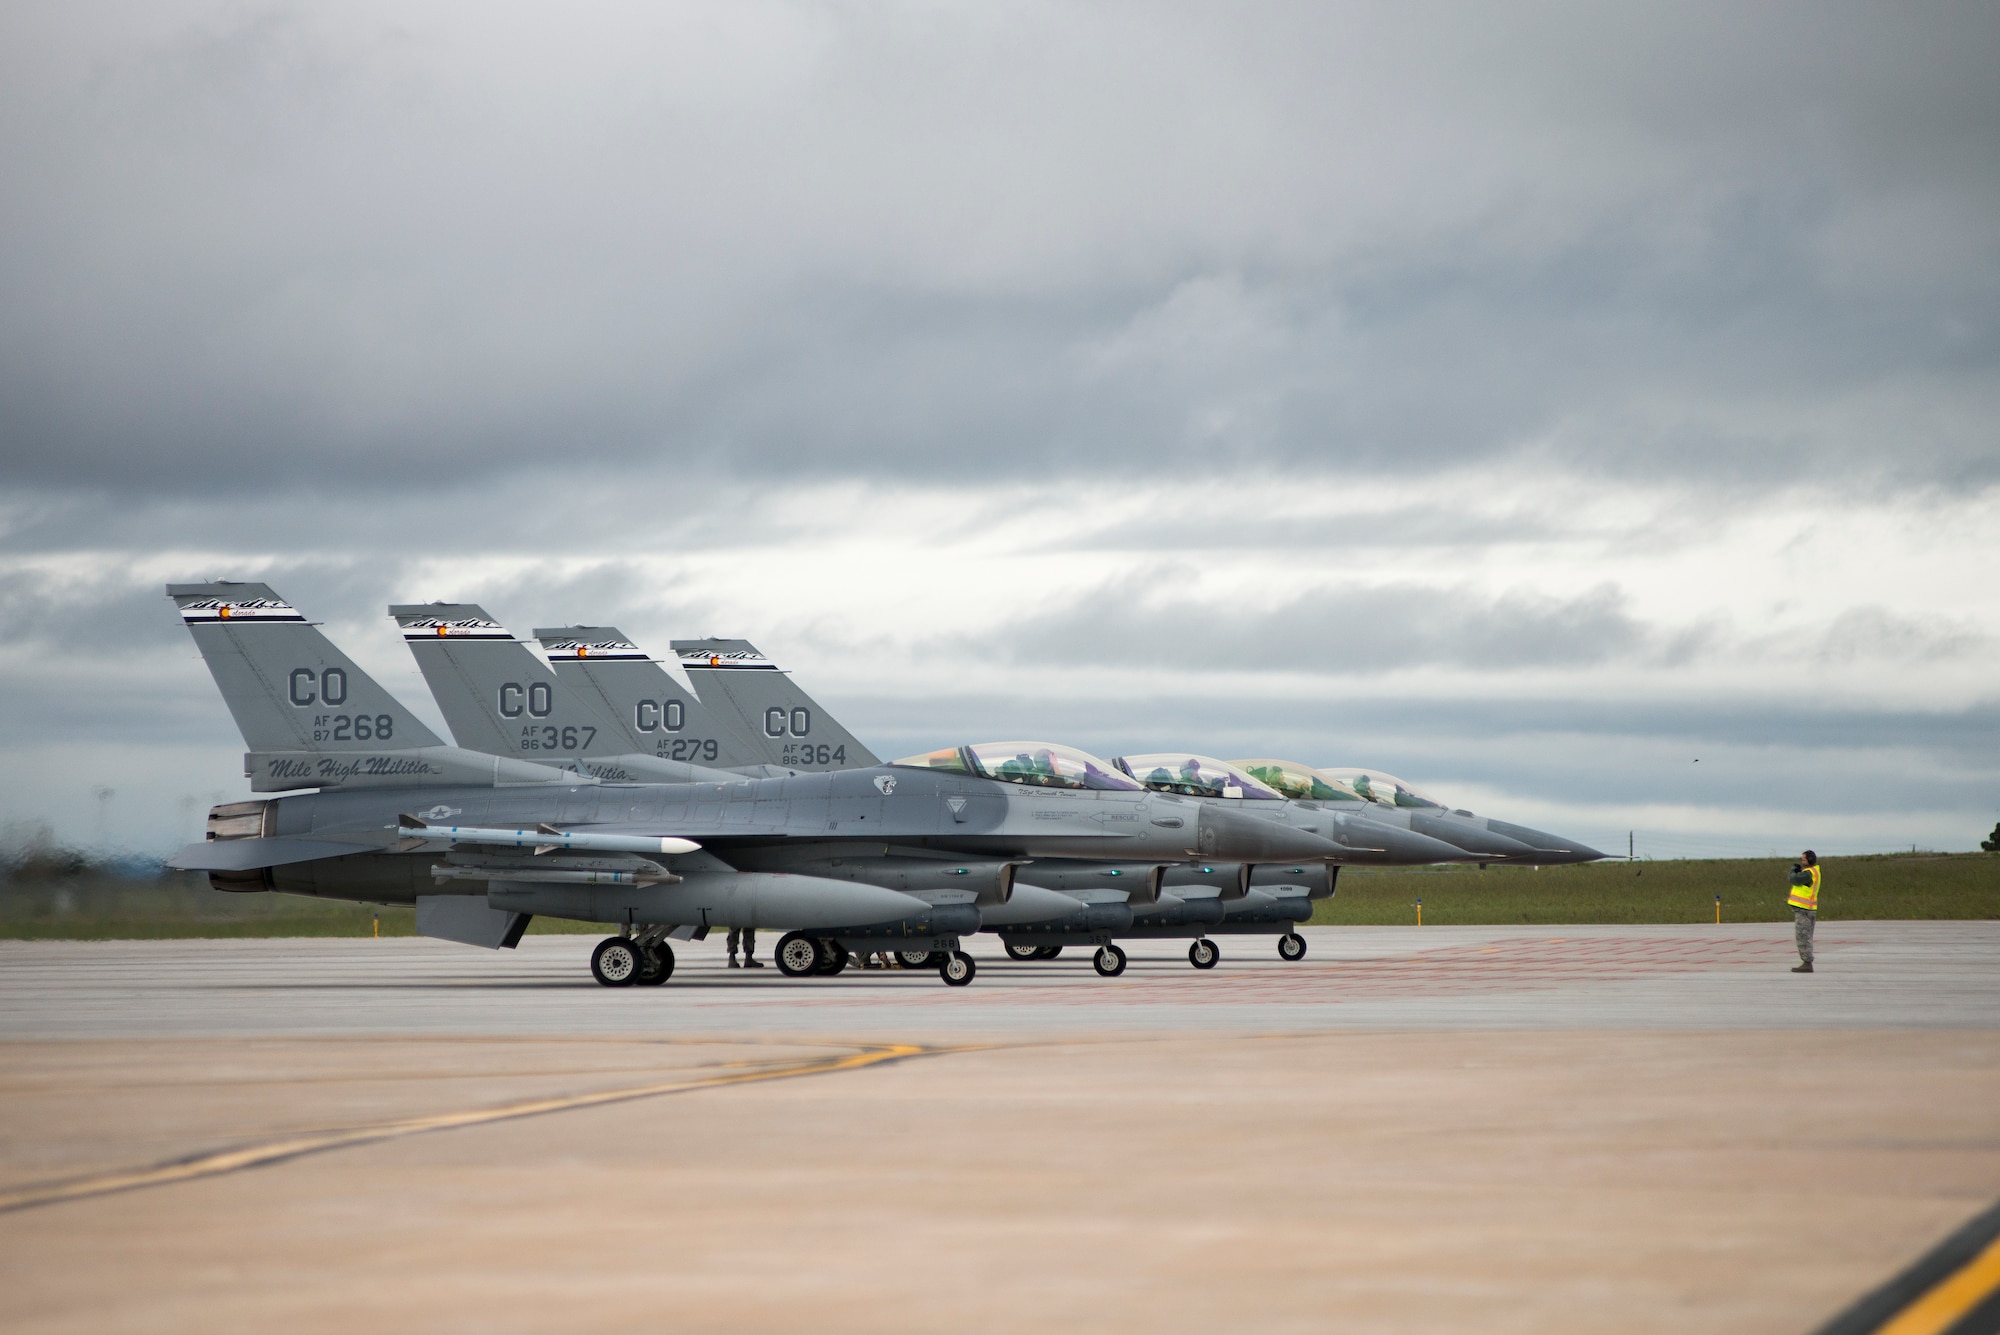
x=1196, y=776
x=948, y=759
x=1387, y=789
x=1036, y=764
x=1045, y=765
x=1298, y=781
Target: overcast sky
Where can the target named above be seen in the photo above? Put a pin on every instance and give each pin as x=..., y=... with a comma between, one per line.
x=1589, y=413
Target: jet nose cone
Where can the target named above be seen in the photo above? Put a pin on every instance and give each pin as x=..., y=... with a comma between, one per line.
x=1372, y=841
x=1544, y=847
x=1231, y=836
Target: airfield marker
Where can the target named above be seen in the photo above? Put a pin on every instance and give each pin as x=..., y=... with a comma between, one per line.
x=1420, y=913
x=1718, y=910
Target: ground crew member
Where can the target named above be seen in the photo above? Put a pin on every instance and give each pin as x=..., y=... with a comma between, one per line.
x=1804, y=900
x=749, y=938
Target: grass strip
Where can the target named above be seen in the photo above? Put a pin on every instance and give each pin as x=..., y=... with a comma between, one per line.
x=1891, y=886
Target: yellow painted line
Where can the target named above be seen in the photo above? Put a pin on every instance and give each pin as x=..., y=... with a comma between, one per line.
x=314, y=1142
x=1952, y=1299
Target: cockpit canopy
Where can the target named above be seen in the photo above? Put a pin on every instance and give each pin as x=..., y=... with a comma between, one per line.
x=1301, y=782
x=1036, y=764
x=1195, y=776
x=1386, y=789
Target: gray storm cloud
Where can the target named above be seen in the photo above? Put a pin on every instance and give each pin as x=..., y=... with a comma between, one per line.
x=248, y=245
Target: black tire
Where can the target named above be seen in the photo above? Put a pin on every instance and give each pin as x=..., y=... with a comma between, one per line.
x=615, y=962
x=958, y=969
x=1109, y=961
x=1018, y=952
x=798, y=955
x=833, y=958
x=659, y=966
x=1048, y=952
x=921, y=959
x=1291, y=946
x=1204, y=953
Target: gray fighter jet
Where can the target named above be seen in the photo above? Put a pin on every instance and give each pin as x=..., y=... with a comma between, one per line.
x=477, y=675
x=480, y=843
x=1116, y=900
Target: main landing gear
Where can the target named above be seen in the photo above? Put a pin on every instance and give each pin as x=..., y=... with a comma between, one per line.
x=798, y=955
x=1109, y=961
x=623, y=961
x=1204, y=953
x=801, y=956
x=1291, y=946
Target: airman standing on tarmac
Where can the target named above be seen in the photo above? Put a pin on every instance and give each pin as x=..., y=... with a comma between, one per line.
x=748, y=935
x=1804, y=900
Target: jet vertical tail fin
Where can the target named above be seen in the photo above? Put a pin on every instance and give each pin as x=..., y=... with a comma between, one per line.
x=287, y=685
x=732, y=676
x=658, y=714
x=497, y=694
x=500, y=697
x=310, y=716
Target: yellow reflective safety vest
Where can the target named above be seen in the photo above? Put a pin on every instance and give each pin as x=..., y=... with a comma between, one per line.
x=1806, y=896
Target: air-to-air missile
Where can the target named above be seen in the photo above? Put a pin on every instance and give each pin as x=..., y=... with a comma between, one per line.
x=370, y=798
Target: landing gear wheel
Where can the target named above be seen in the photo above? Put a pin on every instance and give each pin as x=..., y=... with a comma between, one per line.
x=1048, y=952
x=1203, y=954
x=1109, y=961
x=1015, y=952
x=833, y=958
x=921, y=959
x=1291, y=946
x=657, y=967
x=957, y=969
x=798, y=955
x=615, y=962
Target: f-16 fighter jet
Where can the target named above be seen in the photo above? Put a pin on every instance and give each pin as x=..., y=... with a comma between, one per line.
x=476, y=671
x=1103, y=901
x=479, y=844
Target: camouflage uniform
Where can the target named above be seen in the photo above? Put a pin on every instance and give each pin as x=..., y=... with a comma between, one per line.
x=1804, y=900
x=748, y=936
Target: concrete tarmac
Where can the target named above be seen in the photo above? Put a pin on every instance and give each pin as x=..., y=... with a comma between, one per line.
x=1589, y=1129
